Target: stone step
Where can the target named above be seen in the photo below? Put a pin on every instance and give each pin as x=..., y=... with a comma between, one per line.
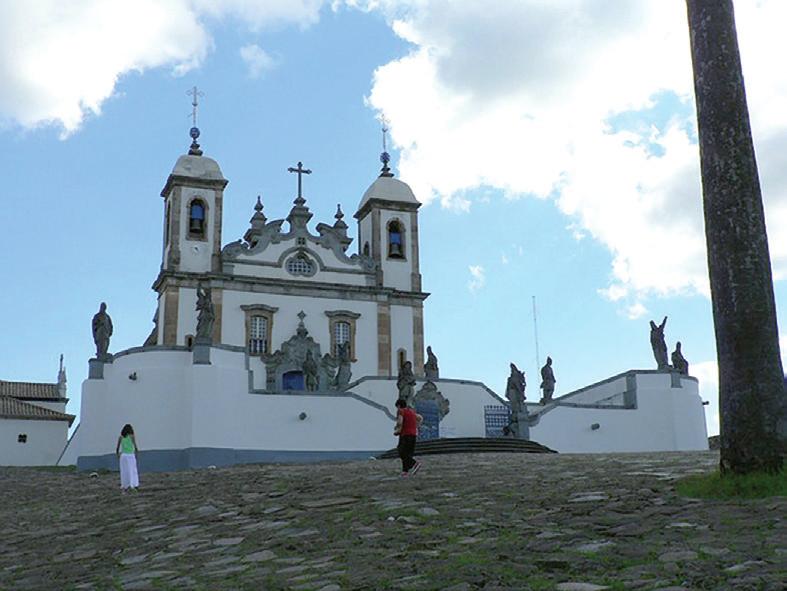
x=457, y=445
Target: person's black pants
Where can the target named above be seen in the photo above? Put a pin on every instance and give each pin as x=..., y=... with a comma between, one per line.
x=406, y=449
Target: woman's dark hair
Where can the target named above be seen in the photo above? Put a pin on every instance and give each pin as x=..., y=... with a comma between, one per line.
x=127, y=430
x=401, y=403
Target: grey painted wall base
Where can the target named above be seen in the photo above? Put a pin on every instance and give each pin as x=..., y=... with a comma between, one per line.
x=95, y=369
x=201, y=355
x=170, y=460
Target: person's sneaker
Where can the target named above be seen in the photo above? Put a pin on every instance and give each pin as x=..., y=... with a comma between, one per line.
x=415, y=468
x=405, y=474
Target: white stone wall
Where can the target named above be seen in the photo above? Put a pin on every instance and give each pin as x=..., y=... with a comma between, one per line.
x=187, y=314
x=365, y=234
x=396, y=272
x=176, y=405
x=195, y=255
x=401, y=335
x=665, y=419
x=45, y=442
x=467, y=401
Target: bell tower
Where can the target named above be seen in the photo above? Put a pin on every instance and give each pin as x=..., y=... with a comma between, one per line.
x=193, y=197
x=191, y=240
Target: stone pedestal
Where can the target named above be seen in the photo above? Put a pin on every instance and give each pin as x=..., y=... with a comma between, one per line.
x=95, y=369
x=201, y=354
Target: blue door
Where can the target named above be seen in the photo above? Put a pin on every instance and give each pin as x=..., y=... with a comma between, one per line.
x=430, y=427
x=293, y=380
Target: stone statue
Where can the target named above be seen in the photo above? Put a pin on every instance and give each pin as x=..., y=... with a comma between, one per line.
x=515, y=390
x=431, y=371
x=658, y=344
x=102, y=330
x=547, y=381
x=344, y=373
x=310, y=370
x=205, y=315
x=406, y=382
x=679, y=362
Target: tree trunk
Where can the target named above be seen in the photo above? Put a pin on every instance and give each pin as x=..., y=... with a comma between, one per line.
x=751, y=380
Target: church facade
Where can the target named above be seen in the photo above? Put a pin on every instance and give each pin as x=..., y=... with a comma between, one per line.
x=286, y=345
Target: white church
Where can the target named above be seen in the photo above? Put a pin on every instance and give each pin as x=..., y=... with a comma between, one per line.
x=285, y=345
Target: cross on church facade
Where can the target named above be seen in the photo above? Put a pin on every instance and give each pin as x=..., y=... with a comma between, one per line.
x=301, y=171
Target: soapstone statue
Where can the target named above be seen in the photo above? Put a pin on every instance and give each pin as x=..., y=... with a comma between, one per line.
x=658, y=344
x=515, y=390
x=310, y=370
x=205, y=315
x=547, y=381
x=679, y=362
x=102, y=330
x=431, y=370
x=406, y=382
x=344, y=373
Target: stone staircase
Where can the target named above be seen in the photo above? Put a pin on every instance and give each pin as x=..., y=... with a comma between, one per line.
x=457, y=445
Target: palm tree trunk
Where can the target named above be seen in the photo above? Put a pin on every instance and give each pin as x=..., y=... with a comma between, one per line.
x=751, y=379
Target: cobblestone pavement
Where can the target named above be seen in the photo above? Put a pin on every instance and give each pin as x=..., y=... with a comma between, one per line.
x=482, y=521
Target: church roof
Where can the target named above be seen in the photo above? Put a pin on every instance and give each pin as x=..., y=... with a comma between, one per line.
x=387, y=188
x=30, y=391
x=200, y=167
x=11, y=408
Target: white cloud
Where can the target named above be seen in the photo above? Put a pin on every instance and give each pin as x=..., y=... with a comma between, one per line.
x=59, y=61
x=257, y=60
x=636, y=310
x=477, y=278
x=519, y=96
x=707, y=372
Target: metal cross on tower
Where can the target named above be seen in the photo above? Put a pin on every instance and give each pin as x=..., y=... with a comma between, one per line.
x=194, y=93
x=301, y=171
x=385, y=157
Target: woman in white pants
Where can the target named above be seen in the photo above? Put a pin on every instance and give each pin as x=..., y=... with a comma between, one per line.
x=126, y=450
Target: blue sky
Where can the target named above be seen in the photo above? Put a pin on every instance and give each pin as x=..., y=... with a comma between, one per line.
x=553, y=147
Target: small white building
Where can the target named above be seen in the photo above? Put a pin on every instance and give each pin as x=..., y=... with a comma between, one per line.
x=295, y=352
x=33, y=422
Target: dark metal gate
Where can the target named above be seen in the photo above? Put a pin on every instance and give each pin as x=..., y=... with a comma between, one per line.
x=430, y=427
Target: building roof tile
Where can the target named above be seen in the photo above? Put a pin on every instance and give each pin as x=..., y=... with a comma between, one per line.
x=11, y=408
x=30, y=390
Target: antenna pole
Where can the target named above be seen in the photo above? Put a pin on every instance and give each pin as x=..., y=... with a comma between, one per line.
x=535, y=333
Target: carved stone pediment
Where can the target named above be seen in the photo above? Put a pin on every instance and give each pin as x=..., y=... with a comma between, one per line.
x=429, y=391
x=319, y=370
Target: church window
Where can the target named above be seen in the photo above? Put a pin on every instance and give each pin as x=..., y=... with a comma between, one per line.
x=259, y=327
x=341, y=335
x=300, y=265
x=395, y=240
x=342, y=330
x=197, y=219
x=258, y=335
x=22, y=438
x=366, y=251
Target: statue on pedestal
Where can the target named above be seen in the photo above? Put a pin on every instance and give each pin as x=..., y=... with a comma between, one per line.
x=547, y=381
x=679, y=362
x=102, y=330
x=658, y=344
x=205, y=315
x=431, y=370
x=406, y=383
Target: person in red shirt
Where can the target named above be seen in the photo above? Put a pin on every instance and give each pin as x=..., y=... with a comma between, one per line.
x=407, y=421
